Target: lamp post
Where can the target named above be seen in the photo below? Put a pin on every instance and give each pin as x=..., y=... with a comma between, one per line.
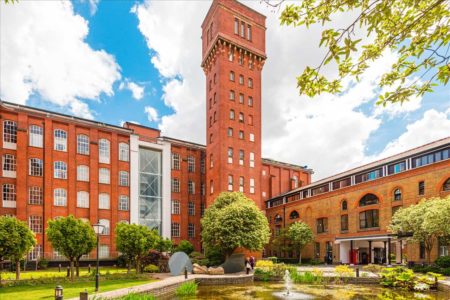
x=98, y=229
x=59, y=293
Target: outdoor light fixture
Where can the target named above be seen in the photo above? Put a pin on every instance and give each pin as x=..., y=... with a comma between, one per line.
x=59, y=293
x=98, y=229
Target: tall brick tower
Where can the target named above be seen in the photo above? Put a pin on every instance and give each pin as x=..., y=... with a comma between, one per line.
x=233, y=55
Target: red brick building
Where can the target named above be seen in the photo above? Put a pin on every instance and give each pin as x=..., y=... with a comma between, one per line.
x=349, y=212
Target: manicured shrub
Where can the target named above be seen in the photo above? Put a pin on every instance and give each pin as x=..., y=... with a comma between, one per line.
x=373, y=268
x=43, y=264
x=443, y=262
x=185, y=246
x=263, y=274
x=187, y=289
x=344, y=271
x=151, y=269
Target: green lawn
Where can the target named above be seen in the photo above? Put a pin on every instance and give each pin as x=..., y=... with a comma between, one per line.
x=53, y=272
x=71, y=290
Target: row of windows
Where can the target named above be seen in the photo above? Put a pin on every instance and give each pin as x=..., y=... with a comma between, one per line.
x=241, y=157
x=241, y=81
x=176, y=208
x=240, y=59
x=191, y=186
x=241, y=184
x=242, y=29
x=35, y=197
x=175, y=230
x=36, y=139
x=372, y=175
x=176, y=163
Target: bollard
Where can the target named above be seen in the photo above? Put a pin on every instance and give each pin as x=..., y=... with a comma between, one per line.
x=68, y=271
x=84, y=295
x=59, y=268
x=185, y=273
x=59, y=295
x=357, y=271
x=89, y=268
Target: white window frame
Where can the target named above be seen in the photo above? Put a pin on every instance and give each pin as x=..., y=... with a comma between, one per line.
x=83, y=144
x=82, y=199
x=9, y=195
x=103, y=251
x=191, y=208
x=104, y=201
x=175, y=185
x=104, y=176
x=191, y=230
x=175, y=229
x=175, y=161
x=124, y=178
x=82, y=173
x=252, y=160
x=176, y=207
x=35, y=167
x=191, y=163
x=59, y=170
x=230, y=155
x=241, y=183
x=124, y=152
x=35, y=195
x=191, y=187
x=9, y=165
x=124, y=202
x=251, y=137
x=36, y=136
x=230, y=183
x=104, y=151
x=59, y=197
x=9, y=134
x=60, y=140
x=252, y=185
x=106, y=228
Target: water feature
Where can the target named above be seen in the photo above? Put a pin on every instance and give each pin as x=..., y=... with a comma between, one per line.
x=288, y=293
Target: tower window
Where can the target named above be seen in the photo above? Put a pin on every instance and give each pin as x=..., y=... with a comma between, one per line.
x=231, y=55
x=231, y=95
x=243, y=29
x=215, y=98
x=241, y=79
x=250, y=83
x=230, y=131
x=231, y=114
x=250, y=101
x=236, y=26
x=241, y=98
x=241, y=184
x=241, y=157
x=241, y=117
x=241, y=134
x=250, y=119
x=231, y=76
x=249, y=32
x=230, y=155
x=230, y=182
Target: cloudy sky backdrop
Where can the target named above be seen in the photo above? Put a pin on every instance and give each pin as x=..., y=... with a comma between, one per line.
x=139, y=61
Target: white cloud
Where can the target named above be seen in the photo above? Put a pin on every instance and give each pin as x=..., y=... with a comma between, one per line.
x=152, y=114
x=93, y=6
x=432, y=126
x=137, y=91
x=44, y=52
x=328, y=133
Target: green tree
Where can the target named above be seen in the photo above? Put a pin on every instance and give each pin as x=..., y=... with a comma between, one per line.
x=426, y=222
x=164, y=245
x=71, y=237
x=280, y=242
x=300, y=235
x=16, y=240
x=185, y=246
x=419, y=32
x=234, y=221
x=134, y=241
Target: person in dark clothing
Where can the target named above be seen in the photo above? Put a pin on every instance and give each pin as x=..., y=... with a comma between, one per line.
x=252, y=262
x=247, y=265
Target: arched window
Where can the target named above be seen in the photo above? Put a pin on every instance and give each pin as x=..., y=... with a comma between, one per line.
x=397, y=194
x=368, y=199
x=294, y=215
x=278, y=219
x=83, y=144
x=60, y=170
x=83, y=199
x=446, y=186
x=60, y=197
x=60, y=140
x=344, y=205
x=124, y=151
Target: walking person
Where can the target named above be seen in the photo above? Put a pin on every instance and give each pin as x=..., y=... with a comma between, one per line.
x=252, y=262
x=247, y=265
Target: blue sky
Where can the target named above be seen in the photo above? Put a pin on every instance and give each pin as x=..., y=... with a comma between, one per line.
x=155, y=47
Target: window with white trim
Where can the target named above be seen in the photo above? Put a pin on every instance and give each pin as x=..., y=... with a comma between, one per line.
x=9, y=195
x=211, y=187
x=231, y=114
x=230, y=155
x=191, y=208
x=252, y=137
x=175, y=161
x=241, y=117
x=191, y=164
x=83, y=199
x=252, y=185
x=241, y=98
x=103, y=201
x=230, y=183
x=175, y=185
x=231, y=97
x=231, y=76
x=9, y=165
x=124, y=178
x=82, y=173
x=103, y=251
x=250, y=101
x=124, y=152
x=35, y=253
x=241, y=79
x=191, y=230
x=175, y=207
x=60, y=140
x=83, y=144
x=191, y=187
x=241, y=184
x=9, y=132
x=230, y=131
x=35, y=224
x=250, y=83
x=35, y=167
x=241, y=157
x=103, y=176
x=36, y=137
x=103, y=151
x=60, y=170
x=105, y=223
x=124, y=202
x=175, y=229
x=60, y=197
x=252, y=160
x=35, y=195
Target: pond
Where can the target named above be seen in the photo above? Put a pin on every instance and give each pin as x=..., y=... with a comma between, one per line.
x=266, y=291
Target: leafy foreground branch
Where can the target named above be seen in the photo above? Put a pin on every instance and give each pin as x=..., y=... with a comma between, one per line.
x=418, y=31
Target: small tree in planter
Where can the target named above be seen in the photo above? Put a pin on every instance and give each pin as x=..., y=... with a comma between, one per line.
x=300, y=235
